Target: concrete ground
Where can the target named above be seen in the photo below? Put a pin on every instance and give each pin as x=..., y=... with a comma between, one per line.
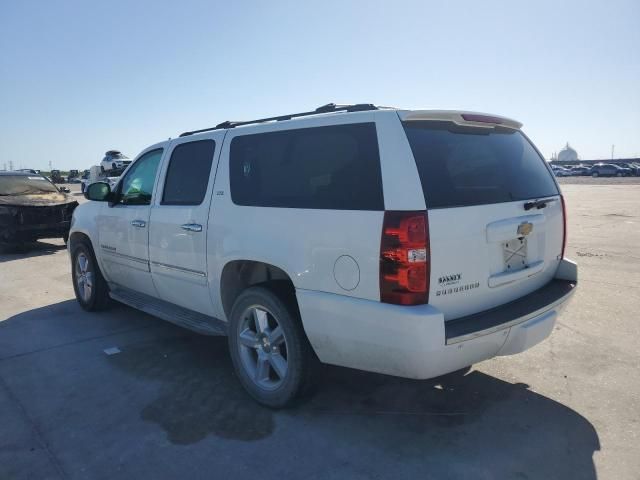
x=168, y=405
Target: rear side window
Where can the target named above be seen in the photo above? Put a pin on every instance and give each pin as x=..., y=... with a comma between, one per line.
x=188, y=173
x=335, y=167
x=462, y=166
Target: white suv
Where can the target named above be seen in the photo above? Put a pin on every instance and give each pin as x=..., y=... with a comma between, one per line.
x=114, y=160
x=410, y=243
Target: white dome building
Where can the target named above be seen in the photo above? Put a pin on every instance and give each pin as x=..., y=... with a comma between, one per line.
x=567, y=154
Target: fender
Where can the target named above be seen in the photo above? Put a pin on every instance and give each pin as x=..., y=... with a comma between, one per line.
x=84, y=221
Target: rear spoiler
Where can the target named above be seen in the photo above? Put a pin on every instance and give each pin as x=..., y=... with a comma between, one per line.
x=474, y=119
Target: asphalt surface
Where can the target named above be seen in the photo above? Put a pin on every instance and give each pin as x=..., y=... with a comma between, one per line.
x=168, y=405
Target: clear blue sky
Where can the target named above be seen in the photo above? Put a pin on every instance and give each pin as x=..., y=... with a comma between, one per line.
x=80, y=77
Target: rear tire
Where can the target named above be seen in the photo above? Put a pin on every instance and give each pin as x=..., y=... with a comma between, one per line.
x=269, y=349
x=90, y=287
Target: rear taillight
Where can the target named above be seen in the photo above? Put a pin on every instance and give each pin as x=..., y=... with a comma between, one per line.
x=564, y=226
x=404, y=258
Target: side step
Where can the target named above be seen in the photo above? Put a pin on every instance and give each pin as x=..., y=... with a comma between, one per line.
x=180, y=316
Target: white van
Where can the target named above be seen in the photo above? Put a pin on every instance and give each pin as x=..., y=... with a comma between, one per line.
x=406, y=242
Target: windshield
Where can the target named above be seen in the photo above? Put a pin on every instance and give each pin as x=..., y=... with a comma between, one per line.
x=25, y=185
x=463, y=166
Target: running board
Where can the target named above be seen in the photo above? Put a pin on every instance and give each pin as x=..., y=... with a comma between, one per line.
x=180, y=316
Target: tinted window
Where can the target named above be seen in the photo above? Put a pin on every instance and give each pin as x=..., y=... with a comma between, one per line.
x=335, y=167
x=188, y=173
x=460, y=166
x=137, y=186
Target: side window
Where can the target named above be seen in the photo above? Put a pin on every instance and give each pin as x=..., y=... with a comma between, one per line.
x=137, y=185
x=188, y=173
x=335, y=167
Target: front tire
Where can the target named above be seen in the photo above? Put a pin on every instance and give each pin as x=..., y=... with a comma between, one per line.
x=594, y=174
x=90, y=287
x=269, y=349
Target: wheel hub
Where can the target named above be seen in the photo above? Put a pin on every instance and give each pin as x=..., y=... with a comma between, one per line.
x=266, y=345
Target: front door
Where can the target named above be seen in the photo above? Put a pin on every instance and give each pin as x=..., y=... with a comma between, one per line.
x=123, y=227
x=178, y=223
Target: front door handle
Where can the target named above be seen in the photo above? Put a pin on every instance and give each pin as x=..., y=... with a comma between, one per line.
x=191, y=227
x=138, y=223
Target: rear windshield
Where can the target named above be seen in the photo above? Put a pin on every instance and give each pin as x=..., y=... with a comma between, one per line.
x=25, y=185
x=463, y=166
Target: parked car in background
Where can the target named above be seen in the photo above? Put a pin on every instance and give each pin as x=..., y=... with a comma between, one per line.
x=559, y=171
x=96, y=174
x=84, y=179
x=32, y=207
x=608, y=170
x=580, y=170
x=73, y=177
x=634, y=169
x=395, y=241
x=114, y=160
x=56, y=176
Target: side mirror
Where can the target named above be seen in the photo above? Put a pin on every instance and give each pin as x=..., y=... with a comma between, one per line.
x=98, y=192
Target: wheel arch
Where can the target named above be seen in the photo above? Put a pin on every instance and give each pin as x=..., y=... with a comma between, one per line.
x=79, y=236
x=238, y=275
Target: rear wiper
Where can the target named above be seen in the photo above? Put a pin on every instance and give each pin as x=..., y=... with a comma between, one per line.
x=539, y=204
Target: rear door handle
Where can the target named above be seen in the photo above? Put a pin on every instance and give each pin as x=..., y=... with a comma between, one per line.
x=138, y=223
x=191, y=227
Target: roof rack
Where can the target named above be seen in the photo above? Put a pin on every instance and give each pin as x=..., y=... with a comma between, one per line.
x=328, y=108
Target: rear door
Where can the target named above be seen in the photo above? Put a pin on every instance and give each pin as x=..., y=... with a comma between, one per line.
x=490, y=243
x=178, y=225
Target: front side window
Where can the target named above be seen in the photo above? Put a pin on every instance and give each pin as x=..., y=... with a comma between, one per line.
x=188, y=173
x=335, y=167
x=137, y=185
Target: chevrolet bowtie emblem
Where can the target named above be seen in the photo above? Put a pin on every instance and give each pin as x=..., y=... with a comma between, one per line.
x=525, y=228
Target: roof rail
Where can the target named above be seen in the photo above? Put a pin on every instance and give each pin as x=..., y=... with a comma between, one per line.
x=328, y=108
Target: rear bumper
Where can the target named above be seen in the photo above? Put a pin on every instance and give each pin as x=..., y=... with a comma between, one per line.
x=511, y=314
x=416, y=342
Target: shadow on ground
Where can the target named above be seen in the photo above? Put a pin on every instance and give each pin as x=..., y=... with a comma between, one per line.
x=477, y=422
x=9, y=253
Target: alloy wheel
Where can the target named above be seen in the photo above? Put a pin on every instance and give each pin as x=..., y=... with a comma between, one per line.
x=263, y=348
x=84, y=276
